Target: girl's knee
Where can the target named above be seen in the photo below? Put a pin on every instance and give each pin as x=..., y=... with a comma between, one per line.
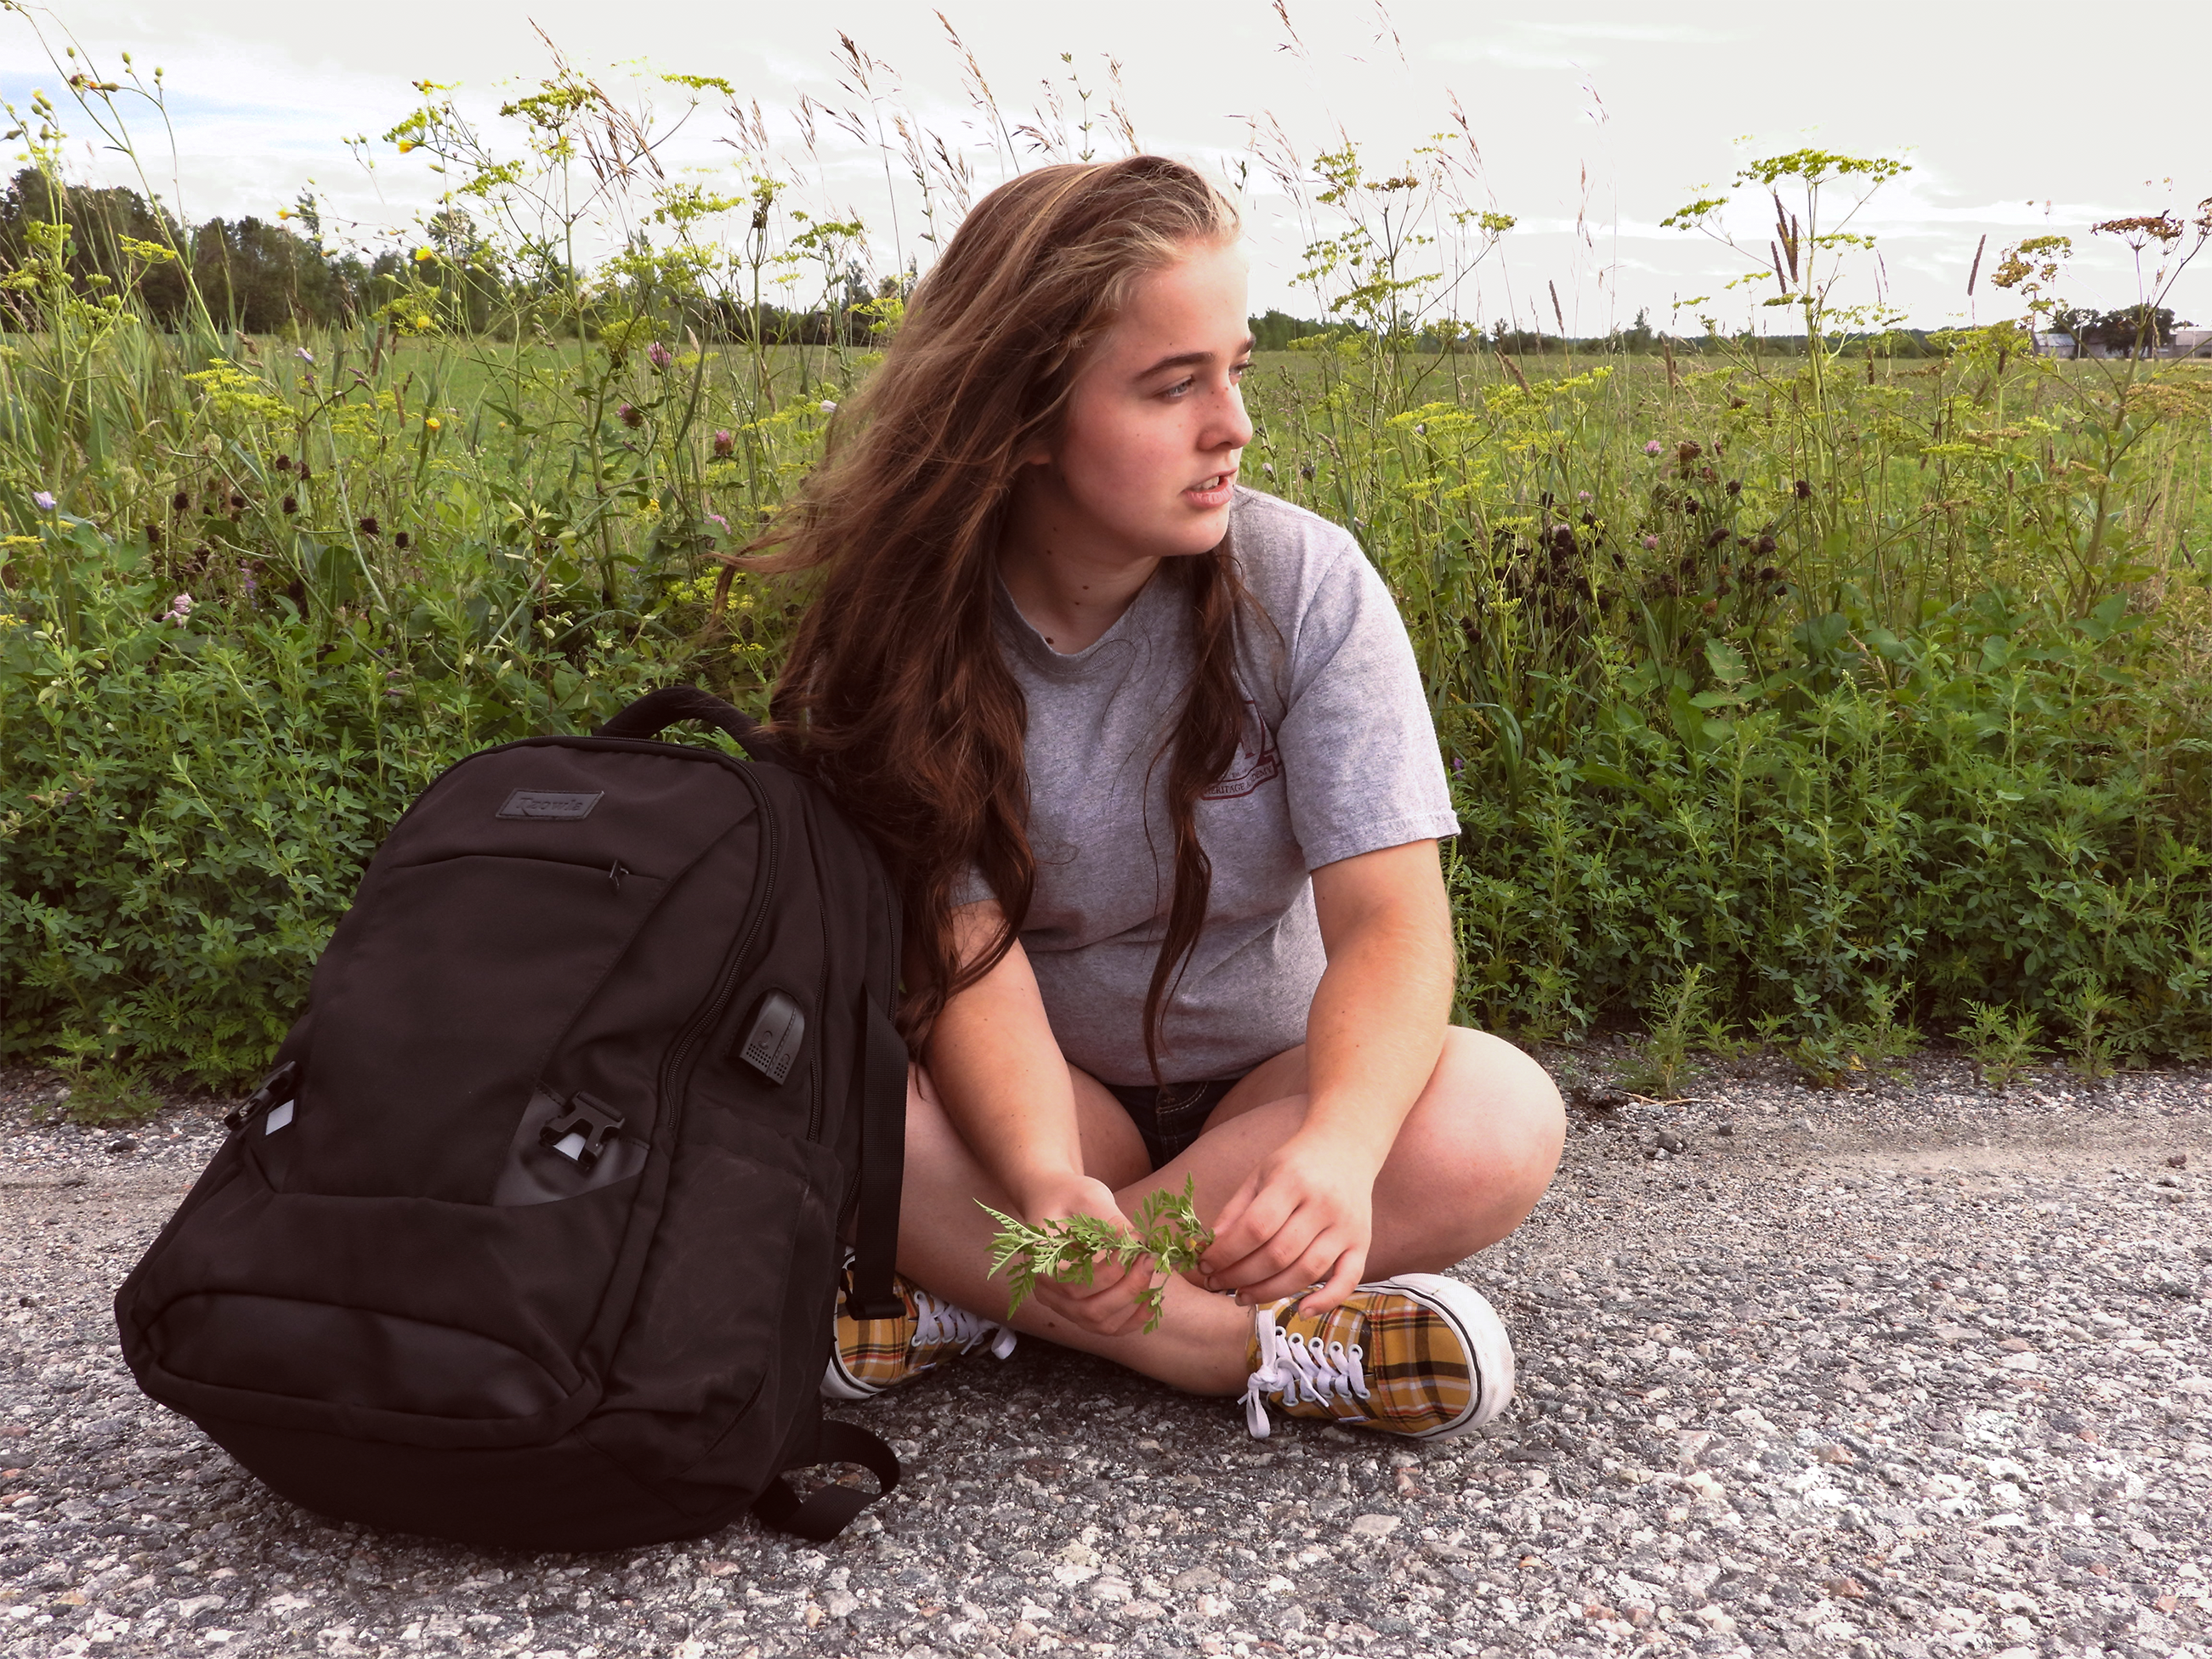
x=1483, y=1142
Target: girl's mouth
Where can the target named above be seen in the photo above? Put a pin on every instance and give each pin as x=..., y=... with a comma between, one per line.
x=1213, y=492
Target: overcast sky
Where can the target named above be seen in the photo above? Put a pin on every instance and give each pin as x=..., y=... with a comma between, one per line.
x=1593, y=122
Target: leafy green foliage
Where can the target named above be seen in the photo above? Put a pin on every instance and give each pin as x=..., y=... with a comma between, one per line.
x=1825, y=690
x=1169, y=1236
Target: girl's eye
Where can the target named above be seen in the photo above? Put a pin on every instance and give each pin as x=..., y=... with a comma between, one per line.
x=1180, y=387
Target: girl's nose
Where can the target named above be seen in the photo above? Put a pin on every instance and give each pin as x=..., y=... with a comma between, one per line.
x=1232, y=429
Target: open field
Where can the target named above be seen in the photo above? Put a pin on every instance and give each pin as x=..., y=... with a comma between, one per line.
x=1805, y=703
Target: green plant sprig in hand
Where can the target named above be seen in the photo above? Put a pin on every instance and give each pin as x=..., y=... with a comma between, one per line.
x=1168, y=1230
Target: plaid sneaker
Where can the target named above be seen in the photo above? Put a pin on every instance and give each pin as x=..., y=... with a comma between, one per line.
x=869, y=1356
x=1419, y=1355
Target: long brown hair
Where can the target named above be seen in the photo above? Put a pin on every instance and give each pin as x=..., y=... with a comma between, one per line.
x=894, y=689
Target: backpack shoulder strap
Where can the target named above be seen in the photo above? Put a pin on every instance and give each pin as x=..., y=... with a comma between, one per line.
x=829, y=1509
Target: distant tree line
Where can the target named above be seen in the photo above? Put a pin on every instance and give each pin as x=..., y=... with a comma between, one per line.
x=264, y=276
x=2124, y=329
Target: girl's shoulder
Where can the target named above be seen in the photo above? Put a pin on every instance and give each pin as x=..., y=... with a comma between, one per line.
x=1289, y=557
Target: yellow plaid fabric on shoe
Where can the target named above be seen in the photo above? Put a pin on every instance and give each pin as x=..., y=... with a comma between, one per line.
x=1419, y=1355
x=871, y=1355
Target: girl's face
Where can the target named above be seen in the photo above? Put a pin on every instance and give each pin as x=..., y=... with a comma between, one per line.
x=1147, y=461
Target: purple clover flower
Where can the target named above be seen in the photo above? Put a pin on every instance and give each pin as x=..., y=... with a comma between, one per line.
x=44, y=500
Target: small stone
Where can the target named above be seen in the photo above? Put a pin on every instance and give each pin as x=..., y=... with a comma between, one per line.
x=123, y=1145
x=1724, y=1128
x=2177, y=1161
x=1373, y=1526
x=1191, y=1580
x=2015, y=1345
x=838, y=1603
x=1669, y=1142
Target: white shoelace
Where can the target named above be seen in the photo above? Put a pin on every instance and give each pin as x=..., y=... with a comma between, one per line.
x=1292, y=1368
x=941, y=1324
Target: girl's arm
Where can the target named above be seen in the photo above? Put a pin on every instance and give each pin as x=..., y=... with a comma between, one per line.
x=1004, y=1085
x=1373, y=1039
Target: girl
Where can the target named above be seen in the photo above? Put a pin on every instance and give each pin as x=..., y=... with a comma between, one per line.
x=1148, y=758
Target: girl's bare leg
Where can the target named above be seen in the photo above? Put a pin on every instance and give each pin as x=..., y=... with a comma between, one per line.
x=1474, y=1155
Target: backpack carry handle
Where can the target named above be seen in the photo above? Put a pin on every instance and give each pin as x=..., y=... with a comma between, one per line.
x=655, y=710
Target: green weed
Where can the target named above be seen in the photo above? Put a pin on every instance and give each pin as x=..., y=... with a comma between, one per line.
x=1169, y=1233
x=102, y=1095
x=1663, y=1062
x=2001, y=1043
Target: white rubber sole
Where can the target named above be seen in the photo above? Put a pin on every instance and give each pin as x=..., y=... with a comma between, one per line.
x=1490, y=1350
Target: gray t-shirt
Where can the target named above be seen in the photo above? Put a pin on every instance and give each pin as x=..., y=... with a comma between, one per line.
x=1338, y=757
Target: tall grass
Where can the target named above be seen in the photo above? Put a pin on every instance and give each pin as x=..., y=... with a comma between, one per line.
x=1834, y=694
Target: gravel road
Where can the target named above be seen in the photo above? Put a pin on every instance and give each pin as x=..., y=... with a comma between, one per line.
x=1913, y=1370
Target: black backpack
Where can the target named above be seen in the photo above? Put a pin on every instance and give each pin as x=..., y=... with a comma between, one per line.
x=534, y=1236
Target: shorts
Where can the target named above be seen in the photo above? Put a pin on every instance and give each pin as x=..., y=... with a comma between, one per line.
x=1170, y=1115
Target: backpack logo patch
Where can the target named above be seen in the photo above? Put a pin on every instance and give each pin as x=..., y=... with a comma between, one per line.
x=550, y=804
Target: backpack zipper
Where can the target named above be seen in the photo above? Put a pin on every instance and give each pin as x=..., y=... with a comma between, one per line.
x=734, y=965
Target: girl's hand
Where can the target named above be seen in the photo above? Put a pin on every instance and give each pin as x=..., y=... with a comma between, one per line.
x=1108, y=1304
x=1305, y=1217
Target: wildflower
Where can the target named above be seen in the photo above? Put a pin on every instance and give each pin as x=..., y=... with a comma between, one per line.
x=660, y=356
x=1765, y=544
x=304, y=354
x=1458, y=766
x=1650, y=544
x=368, y=525
x=406, y=144
x=1687, y=451
x=237, y=502
x=1582, y=494
x=422, y=321
x=399, y=540
x=717, y=519
x=1653, y=447
x=44, y=500
x=1268, y=467
x=430, y=423
x=179, y=608
x=304, y=474
x=631, y=416
x=828, y=408
x=154, y=537
x=1420, y=429
x=247, y=583
x=1804, y=488
x=1735, y=486
x=282, y=464
x=724, y=443
x=181, y=502
x=291, y=505
x=283, y=214
x=423, y=256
